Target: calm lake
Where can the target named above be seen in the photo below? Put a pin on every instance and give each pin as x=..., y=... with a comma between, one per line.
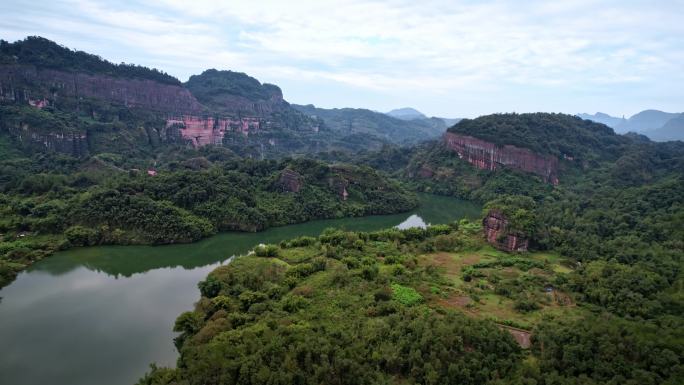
x=101, y=315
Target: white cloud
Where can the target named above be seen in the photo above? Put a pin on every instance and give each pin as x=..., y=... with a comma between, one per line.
x=393, y=46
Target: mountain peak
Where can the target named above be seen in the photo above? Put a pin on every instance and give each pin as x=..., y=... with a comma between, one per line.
x=406, y=113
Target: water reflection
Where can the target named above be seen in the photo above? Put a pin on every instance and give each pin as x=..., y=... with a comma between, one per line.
x=100, y=315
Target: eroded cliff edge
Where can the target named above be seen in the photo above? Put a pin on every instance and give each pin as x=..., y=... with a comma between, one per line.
x=489, y=156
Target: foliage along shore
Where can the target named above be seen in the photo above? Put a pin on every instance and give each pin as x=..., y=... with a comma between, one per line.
x=424, y=306
x=54, y=202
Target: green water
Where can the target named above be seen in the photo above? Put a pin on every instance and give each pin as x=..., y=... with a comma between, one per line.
x=101, y=315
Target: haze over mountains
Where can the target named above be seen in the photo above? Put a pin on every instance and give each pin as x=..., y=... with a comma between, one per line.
x=657, y=125
x=408, y=113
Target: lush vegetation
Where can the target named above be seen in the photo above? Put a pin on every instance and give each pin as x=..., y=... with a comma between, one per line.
x=212, y=85
x=51, y=201
x=426, y=306
x=367, y=122
x=43, y=53
x=556, y=134
x=601, y=291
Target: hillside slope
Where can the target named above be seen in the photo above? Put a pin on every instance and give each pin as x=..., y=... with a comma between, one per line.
x=137, y=110
x=367, y=122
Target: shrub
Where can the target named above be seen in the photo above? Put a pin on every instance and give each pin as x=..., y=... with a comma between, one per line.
x=319, y=263
x=370, y=272
x=448, y=242
x=248, y=298
x=81, y=236
x=268, y=251
x=384, y=294
x=406, y=295
x=301, y=270
x=210, y=287
x=221, y=302
x=438, y=229
x=294, y=303
x=468, y=273
x=525, y=305
x=300, y=242
x=351, y=262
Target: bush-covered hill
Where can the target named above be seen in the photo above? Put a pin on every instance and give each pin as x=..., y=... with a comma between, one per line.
x=44, y=53
x=544, y=133
x=133, y=105
x=211, y=85
x=621, y=216
x=51, y=202
x=367, y=122
x=423, y=306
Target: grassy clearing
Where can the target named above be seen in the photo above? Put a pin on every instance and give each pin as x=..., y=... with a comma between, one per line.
x=513, y=289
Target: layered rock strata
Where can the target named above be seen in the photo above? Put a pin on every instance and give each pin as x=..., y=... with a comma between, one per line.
x=495, y=226
x=488, y=156
x=26, y=82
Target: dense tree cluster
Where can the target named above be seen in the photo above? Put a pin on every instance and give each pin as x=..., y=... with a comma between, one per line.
x=52, y=201
x=312, y=313
x=350, y=308
x=211, y=85
x=44, y=53
x=560, y=135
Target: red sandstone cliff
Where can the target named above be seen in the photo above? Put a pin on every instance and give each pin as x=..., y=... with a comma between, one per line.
x=201, y=131
x=496, y=231
x=488, y=156
x=26, y=82
x=290, y=180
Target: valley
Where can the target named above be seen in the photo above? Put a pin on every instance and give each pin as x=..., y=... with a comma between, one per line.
x=297, y=244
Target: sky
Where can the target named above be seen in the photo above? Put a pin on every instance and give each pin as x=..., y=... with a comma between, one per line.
x=444, y=58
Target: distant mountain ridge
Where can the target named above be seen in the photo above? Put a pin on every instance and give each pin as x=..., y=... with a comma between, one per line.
x=386, y=127
x=600, y=117
x=657, y=125
x=408, y=113
x=53, y=98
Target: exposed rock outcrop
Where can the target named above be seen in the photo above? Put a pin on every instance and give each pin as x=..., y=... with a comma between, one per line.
x=339, y=185
x=68, y=142
x=488, y=156
x=290, y=180
x=26, y=83
x=497, y=232
x=201, y=131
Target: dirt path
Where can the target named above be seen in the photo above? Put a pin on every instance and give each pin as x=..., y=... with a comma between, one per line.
x=522, y=337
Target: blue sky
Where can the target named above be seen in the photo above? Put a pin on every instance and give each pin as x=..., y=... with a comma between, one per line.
x=445, y=58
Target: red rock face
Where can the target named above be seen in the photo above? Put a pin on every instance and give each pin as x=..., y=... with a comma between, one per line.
x=24, y=82
x=201, y=131
x=488, y=156
x=495, y=227
x=290, y=180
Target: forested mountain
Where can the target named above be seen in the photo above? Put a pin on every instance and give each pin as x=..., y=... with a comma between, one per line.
x=406, y=113
x=51, y=201
x=97, y=153
x=99, y=104
x=645, y=121
x=45, y=54
x=574, y=275
x=411, y=114
x=366, y=122
x=672, y=130
x=596, y=297
x=553, y=134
